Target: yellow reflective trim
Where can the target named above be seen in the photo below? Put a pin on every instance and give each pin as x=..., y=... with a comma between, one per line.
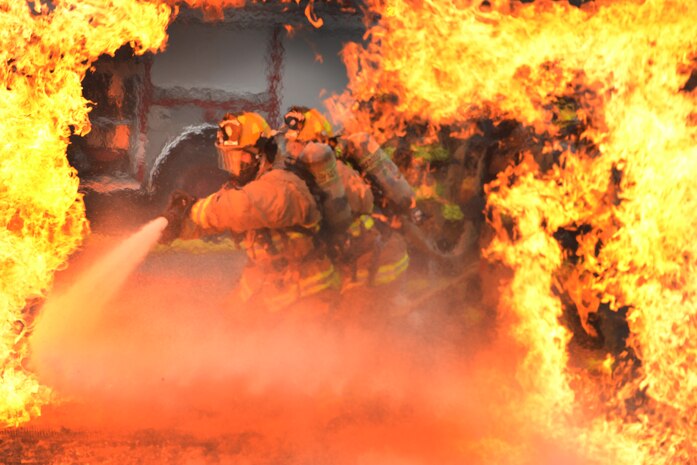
x=304, y=283
x=363, y=222
x=198, y=214
x=304, y=288
x=388, y=276
x=334, y=282
x=385, y=273
x=195, y=211
x=320, y=287
x=400, y=264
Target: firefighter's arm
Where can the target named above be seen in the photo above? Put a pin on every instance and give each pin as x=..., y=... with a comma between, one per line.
x=374, y=163
x=270, y=202
x=176, y=214
x=221, y=211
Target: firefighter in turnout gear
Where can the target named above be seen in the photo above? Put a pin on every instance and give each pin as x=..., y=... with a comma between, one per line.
x=368, y=252
x=271, y=213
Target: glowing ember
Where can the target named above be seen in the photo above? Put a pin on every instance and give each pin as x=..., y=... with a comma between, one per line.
x=623, y=63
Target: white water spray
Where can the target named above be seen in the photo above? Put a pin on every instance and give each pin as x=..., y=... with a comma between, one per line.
x=80, y=307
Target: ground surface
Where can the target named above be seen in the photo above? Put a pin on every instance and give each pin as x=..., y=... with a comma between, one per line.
x=165, y=374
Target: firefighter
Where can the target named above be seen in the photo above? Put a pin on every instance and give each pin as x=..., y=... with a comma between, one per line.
x=395, y=199
x=361, y=151
x=368, y=252
x=423, y=155
x=271, y=213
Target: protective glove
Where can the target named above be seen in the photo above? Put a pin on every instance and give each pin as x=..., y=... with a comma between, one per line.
x=177, y=210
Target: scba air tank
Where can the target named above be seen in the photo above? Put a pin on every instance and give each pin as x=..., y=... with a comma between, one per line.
x=365, y=152
x=319, y=160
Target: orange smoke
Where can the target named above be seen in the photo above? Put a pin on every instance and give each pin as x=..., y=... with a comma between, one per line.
x=624, y=64
x=359, y=387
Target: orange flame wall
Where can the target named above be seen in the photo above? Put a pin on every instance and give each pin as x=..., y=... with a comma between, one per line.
x=45, y=54
x=447, y=61
x=625, y=63
x=46, y=51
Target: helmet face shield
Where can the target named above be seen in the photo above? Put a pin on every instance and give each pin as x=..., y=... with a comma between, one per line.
x=229, y=133
x=307, y=125
x=238, y=145
x=294, y=123
x=242, y=164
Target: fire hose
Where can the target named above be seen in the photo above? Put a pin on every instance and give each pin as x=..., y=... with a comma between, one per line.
x=416, y=237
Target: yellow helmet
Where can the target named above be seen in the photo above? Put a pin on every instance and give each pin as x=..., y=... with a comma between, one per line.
x=307, y=125
x=243, y=130
x=242, y=141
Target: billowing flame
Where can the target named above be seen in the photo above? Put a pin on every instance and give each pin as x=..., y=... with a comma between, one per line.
x=629, y=193
x=45, y=53
x=448, y=62
x=46, y=49
x=214, y=9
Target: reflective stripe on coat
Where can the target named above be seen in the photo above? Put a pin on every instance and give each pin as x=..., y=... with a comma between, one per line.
x=279, y=217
